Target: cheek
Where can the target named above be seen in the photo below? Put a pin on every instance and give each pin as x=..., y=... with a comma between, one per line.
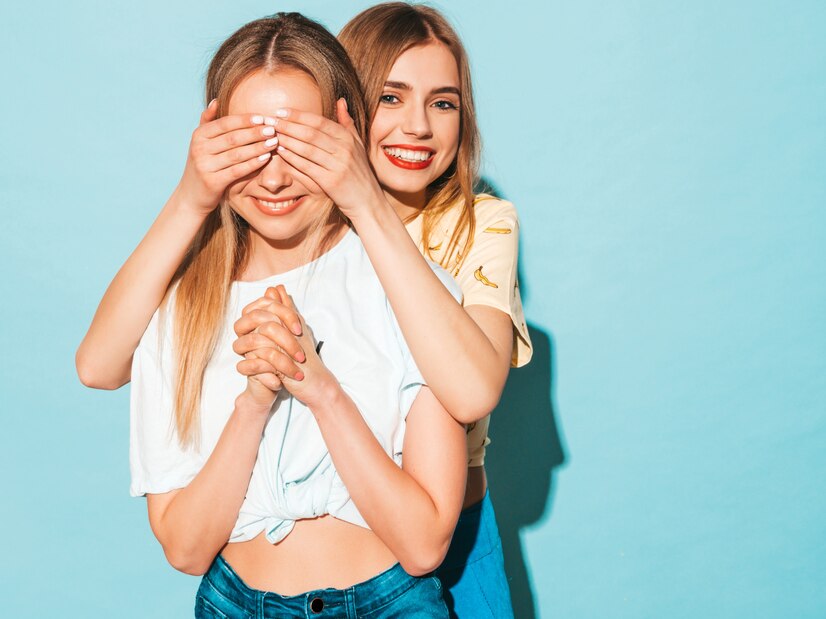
x=449, y=133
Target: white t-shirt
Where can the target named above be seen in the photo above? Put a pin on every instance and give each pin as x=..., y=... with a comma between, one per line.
x=294, y=477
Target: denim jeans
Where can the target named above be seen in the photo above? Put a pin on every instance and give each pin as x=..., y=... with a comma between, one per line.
x=473, y=573
x=391, y=594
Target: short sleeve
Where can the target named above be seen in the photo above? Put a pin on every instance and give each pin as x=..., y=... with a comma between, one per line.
x=488, y=275
x=157, y=462
x=413, y=380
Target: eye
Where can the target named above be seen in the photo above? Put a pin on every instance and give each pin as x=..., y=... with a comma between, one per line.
x=444, y=104
x=389, y=99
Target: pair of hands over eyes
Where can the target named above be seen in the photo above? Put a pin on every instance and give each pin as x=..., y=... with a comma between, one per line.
x=279, y=351
x=325, y=156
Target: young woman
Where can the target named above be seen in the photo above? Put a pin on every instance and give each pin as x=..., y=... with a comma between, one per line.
x=298, y=470
x=423, y=152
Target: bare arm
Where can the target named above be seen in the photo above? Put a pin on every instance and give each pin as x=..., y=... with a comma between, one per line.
x=194, y=523
x=413, y=509
x=475, y=342
x=221, y=151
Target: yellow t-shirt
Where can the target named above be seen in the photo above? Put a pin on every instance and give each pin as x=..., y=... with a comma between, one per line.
x=488, y=276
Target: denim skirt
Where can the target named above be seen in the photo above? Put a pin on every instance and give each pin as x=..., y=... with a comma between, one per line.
x=393, y=593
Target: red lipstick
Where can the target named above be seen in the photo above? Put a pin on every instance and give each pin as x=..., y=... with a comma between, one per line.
x=409, y=165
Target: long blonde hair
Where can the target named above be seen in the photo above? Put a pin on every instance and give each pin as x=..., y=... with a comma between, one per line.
x=375, y=38
x=220, y=250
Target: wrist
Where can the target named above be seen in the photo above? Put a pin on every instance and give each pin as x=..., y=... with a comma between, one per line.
x=248, y=404
x=328, y=397
x=371, y=213
x=182, y=205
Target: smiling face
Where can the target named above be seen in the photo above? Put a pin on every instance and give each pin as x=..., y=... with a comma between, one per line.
x=414, y=135
x=278, y=207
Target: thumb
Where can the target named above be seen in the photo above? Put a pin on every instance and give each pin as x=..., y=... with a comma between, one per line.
x=210, y=113
x=343, y=116
x=272, y=293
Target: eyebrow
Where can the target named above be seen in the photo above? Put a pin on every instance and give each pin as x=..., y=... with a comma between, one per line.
x=436, y=91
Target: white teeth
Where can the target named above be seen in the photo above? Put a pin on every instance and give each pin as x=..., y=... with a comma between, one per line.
x=407, y=155
x=277, y=206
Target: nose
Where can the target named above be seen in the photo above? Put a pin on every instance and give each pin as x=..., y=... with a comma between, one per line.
x=275, y=175
x=416, y=122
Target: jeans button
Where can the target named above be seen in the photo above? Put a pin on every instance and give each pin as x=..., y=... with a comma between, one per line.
x=317, y=605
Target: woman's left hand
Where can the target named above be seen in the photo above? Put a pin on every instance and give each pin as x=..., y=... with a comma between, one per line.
x=330, y=157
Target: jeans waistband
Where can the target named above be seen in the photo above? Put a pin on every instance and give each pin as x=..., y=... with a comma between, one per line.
x=364, y=596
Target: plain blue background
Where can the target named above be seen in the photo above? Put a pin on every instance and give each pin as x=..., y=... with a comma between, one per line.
x=664, y=454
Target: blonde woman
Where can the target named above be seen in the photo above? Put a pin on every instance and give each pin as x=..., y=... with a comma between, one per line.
x=332, y=489
x=411, y=194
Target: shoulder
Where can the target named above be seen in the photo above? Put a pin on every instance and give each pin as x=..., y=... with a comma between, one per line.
x=489, y=209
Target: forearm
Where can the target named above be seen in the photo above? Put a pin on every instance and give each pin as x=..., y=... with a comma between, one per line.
x=104, y=357
x=198, y=521
x=416, y=525
x=427, y=313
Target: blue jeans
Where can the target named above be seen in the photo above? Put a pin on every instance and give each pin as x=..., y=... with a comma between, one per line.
x=473, y=573
x=391, y=594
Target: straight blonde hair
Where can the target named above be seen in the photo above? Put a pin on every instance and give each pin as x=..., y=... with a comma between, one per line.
x=375, y=38
x=220, y=250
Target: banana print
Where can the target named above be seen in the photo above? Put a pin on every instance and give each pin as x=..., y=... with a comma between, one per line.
x=478, y=275
x=493, y=230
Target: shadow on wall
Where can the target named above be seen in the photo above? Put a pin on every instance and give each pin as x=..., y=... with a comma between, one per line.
x=526, y=448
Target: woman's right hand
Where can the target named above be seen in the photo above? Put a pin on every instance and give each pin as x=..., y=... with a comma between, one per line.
x=222, y=151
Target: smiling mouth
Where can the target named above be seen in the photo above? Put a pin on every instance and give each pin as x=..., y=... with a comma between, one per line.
x=409, y=158
x=278, y=207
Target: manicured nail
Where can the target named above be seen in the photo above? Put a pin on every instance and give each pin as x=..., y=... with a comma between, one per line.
x=299, y=356
x=263, y=157
x=270, y=121
x=282, y=113
x=281, y=149
x=257, y=120
x=296, y=328
x=213, y=102
x=299, y=376
x=268, y=131
x=271, y=142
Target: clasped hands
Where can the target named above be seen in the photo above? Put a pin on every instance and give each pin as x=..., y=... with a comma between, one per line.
x=279, y=351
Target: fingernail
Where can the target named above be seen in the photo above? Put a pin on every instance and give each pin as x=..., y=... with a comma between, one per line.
x=257, y=120
x=213, y=102
x=282, y=113
x=263, y=157
x=299, y=356
x=271, y=142
x=281, y=149
x=270, y=121
x=299, y=376
x=268, y=131
x=297, y=328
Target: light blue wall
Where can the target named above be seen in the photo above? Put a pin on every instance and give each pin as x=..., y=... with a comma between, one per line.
x=664, y=454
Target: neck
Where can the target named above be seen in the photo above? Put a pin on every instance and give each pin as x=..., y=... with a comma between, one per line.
x=268, y=257
x=406, y=205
